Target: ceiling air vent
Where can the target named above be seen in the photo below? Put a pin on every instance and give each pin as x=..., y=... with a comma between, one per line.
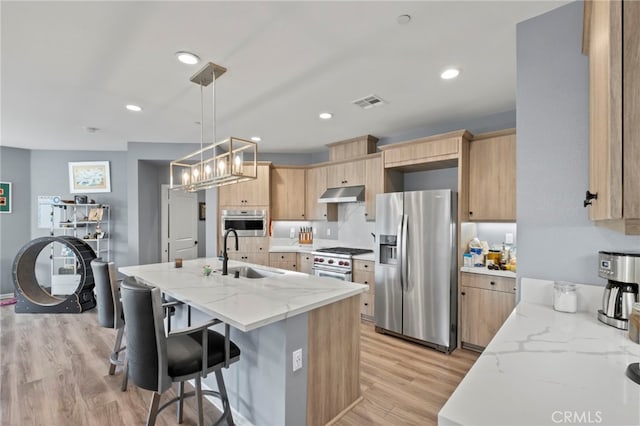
x=369, y=102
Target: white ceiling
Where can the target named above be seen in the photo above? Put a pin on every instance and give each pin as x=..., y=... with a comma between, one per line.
x=69, y=65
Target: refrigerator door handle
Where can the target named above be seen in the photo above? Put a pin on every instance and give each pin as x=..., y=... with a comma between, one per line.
x=403, y=262
x=399, y=248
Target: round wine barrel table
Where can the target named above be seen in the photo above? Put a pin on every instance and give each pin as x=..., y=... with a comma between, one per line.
x=32, y=298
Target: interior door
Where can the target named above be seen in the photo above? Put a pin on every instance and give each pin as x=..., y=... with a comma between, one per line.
x=179, y=224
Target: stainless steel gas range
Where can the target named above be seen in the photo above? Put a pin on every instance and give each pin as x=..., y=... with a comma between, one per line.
x=335, y=262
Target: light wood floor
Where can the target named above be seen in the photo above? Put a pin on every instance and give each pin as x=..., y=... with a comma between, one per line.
x=53, y=371
x=403, y=383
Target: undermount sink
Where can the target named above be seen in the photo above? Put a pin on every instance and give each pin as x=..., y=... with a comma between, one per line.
x=249, y=272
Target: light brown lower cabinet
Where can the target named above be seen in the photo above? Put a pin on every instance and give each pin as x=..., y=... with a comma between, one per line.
x=305, y=263
x=283, y=260
x=363, y=273
x=250, y=249
x=255, y=258
x=487, y=301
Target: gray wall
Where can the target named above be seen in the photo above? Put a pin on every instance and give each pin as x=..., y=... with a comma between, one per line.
x=432, y=179
x=50, y=176
x=15, y=167
x=138, y=184
x=556, y=240
x=150, y=181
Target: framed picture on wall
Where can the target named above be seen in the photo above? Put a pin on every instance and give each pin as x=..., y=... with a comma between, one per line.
x=5, y=197
x=89, y=176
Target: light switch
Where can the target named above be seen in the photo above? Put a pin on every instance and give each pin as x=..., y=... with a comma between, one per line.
x=508, y=238
x=297, y=359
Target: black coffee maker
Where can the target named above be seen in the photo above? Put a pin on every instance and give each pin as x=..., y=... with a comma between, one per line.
x=622, y=270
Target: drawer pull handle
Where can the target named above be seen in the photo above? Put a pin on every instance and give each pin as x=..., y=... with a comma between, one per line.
x=366, y=266
x=463, y=293
x=493, y=283
x=366, y=282
x=366, y=304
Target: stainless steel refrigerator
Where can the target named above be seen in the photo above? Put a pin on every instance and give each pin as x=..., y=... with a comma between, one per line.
x=416, y=279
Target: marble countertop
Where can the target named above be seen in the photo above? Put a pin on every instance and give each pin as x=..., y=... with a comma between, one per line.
x=545, y=367
x=294, y=248
x=485, y=271
x=244, y=303
x=367, y=256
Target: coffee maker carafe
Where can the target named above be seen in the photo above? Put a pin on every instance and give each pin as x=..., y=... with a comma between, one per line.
x=622, y=270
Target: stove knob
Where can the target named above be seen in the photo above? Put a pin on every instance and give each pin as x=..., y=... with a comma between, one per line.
x=341, y=263
x=330, y=261
x=320, y=260
x=346, y=263
x=315, y=259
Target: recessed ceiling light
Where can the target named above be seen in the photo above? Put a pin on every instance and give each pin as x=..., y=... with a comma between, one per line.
x=449, y=74
x=187, y=58
x=256, y=138
x=403, y=19
x=325, y=115
x=135, y=108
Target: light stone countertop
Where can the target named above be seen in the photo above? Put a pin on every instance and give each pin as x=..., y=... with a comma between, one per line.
x=543, y=366
x=485, y=271
x=367, y=256
x=244, y=303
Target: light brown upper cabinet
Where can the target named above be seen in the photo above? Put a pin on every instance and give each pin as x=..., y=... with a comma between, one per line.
x=316, y=183
x=492, y=177
x=374, y=184
x=611, y=38
x=421, y=151
x=352, y=148
x=288, y=193
x=252, y=193
x=346, y=174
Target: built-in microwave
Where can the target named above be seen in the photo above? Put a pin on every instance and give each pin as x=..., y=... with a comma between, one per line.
x=247, y=223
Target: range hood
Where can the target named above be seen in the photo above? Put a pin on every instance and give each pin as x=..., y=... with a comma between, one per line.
x=348, y=194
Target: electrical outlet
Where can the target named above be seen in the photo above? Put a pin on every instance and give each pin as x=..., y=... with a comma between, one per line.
x=297, y=359
x=292, y=233
x=328, y=232
x=508, y=238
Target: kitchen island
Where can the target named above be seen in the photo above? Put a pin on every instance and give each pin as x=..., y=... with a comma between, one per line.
x=273, y=315
x=545, y=367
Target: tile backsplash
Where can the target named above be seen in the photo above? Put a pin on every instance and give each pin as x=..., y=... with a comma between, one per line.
x=351, y=228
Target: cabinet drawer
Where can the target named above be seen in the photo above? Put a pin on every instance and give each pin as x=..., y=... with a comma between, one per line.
x=366, y=304
x=283, y=257
x=364, y=277
x=489, y=282
x=363, y=265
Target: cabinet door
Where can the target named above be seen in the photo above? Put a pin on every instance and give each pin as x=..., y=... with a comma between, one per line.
x=316, y=183
x=285, y=260
x=305, y=263
x=374, y=174
x=346, y=174
x=483, y=313
x=254, y=192
x=492, y=178
x=287, y=194
x=605, y=105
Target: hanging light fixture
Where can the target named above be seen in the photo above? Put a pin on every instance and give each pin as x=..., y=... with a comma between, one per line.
x=229, y=161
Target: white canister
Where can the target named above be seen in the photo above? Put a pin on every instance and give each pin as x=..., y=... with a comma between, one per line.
x=565, y=298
